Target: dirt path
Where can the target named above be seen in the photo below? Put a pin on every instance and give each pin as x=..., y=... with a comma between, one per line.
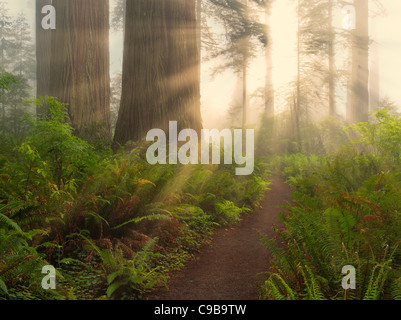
x=229, y=268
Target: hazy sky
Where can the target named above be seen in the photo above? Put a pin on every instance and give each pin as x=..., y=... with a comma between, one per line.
x=217, y=93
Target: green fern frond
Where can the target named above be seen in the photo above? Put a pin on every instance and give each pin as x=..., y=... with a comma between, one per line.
x=396, y=289
x=11, y=224
x=280, y=290
x=3, y=287
x=274, y=291
x=376, y=283
x=139, y=219
x=312, y=284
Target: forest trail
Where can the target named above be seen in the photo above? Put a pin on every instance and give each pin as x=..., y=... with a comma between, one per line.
x=232, y=266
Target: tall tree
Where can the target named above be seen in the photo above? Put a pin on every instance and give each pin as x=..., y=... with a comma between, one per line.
x=23, y=49
x=160, y=68
x=5, y=53
x=43, y=52
x=17, y=53
x=6, y=25
x=269, y=87
x=80, y=61
x=240, y=19
x=245, y=53
x=331, y=58
x=358, y=108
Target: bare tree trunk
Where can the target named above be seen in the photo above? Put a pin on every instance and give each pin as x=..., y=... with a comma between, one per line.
x=183, y=77
x=43, y=53
x=80, y=61
x=297, y=101
x=332, y=100
x=269, y=91
x=244, y=93
x=143, y=97
x=245, y=76
x=359, y=92
x=161, y=74
x=199, y=33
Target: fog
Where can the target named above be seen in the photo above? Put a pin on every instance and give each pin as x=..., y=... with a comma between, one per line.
x=218, y=92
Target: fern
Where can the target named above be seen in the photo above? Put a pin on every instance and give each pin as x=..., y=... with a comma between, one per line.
x=279, y=289
x=274, y=291
x=139, y=219
x=3, y=287
x=135, y=276
x=396, y=289
x=312, y=285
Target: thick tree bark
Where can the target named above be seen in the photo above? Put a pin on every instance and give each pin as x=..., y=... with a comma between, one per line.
x=43, y=53
x=80, y=62
x=161, y=80
x=183, y=78
x=359, y=94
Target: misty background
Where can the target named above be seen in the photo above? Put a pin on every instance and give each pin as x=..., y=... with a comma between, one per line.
x=220, y=91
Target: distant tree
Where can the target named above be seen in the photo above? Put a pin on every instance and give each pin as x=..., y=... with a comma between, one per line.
x=358, y=107
x=242, y=27
x=19, y=92
x=6, y=80
x=17, y=52
x=6, y=28
x=269, y=86
x=80, y=62
x=5, y=53
x=118, y=15
x=23, y=48
x=115, y=98
x=317, y=72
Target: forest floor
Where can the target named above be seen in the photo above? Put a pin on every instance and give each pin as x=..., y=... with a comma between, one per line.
x=235, y=263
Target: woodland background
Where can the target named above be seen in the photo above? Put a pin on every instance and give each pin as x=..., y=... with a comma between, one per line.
x=76, y=191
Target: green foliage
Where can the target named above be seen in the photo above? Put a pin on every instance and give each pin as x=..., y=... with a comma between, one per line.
x=345, y=212
x=6, y=80
x=227, y=212
x=20, y=262
x=52, y=137
x=96, y=216
x=128, y=278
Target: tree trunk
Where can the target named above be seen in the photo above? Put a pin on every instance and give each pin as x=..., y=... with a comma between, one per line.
x=245, y=74
x=297, y=110
x=359, y=93
x=43, y=53
x=332, y=100
x=244, y=93
x=80, y=61
x=161, y=80
x=183, y=64
x=199, y=33
x=269, y=91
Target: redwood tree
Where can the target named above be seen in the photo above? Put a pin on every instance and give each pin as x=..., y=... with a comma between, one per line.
x=80, y=61
x=160, y=68
x=358, y=107
x=43, y=52
x=269, y=86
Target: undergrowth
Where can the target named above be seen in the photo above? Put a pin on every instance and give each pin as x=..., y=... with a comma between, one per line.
x=111, y=224
x=346, y=211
